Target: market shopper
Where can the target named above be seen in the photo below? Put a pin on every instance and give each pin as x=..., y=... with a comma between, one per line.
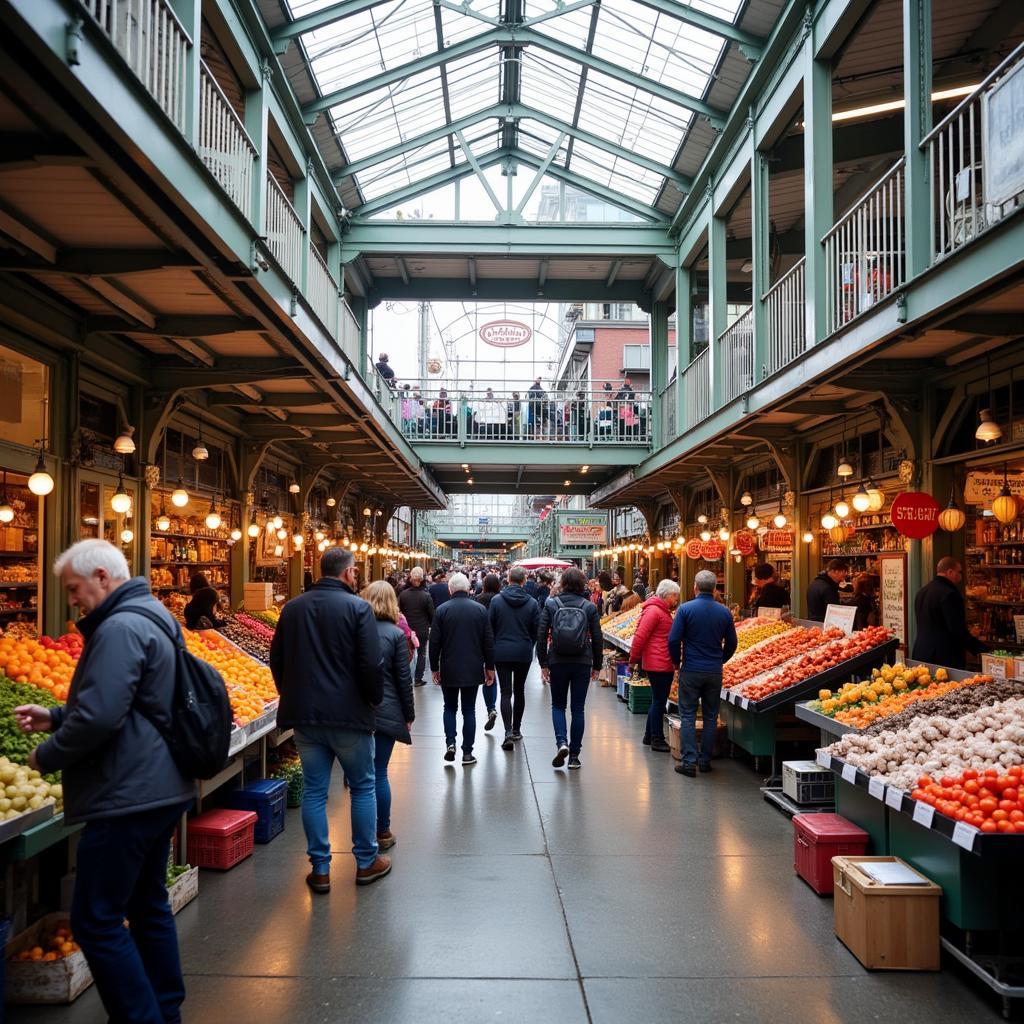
x=438, y=590
x=569, y=650
x=325, y=658
x=769, y=592
x=416, y=604
x=942, y=636
x=490, y=586
x=514, y=618
x=383, y=367
x=824, y=589
x=649, y=650
x=121, y=780
x=201, y=610
x=396, y=711
x=702, y=640
x=461, y=658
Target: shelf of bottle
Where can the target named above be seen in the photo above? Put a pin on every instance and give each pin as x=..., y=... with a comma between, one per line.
x=17, y=611
x=216, y=538
x=15, y=585
x=997, y=601
x=996, y=544
x=866, y=554
x=160, y=561
x=186, y=589
x=874, y=526
x=25, y=555
x=994, y=565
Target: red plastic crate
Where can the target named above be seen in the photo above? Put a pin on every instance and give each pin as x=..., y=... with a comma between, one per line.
x=817, y=838
x=220, y=839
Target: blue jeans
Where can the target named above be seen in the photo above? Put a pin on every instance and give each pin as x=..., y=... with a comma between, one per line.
x=661, y=683
x=122, y=872
x=421, y=659
x=707, y=688
x=318, y=747
x=569, y=683
x=382, y=749
x=452, y=696
x=491, y=695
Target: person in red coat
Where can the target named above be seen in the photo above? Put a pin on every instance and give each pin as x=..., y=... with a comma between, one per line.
x=649, y=650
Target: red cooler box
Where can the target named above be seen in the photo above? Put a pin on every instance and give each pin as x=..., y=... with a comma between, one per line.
x=817, y=838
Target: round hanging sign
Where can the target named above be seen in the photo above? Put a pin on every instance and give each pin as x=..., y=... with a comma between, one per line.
x=505, y=334
x=711, y=550
x=745, y=542
x=693, y=548
x=915, y=514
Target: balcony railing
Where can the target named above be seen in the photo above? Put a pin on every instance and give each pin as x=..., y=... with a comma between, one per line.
x=585, y=416
x=975, y=179
x=348, y=332
x=785, y=319
x=669, y=427
x=224, y=144
x=285, y=235
x=865, y=251
x=148, y=34
x=322, y=290
x=736, y=350
x=697, y=391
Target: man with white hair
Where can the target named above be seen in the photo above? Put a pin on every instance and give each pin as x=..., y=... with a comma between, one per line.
x=707, y=634
x=461, y=658
x=416, y=604
x=121, y=780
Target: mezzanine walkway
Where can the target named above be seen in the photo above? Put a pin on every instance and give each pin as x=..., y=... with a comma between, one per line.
x=619, y=893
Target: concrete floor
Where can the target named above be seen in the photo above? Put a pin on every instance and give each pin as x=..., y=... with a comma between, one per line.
x=622, y=892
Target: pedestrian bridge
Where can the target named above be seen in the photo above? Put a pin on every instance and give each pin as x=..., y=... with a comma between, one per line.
x=454, y=527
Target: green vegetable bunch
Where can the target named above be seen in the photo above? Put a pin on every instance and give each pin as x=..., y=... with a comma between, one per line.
x=14, y=743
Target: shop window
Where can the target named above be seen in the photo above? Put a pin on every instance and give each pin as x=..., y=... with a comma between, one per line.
x=97, y=518
x=24, y=387
x=20, y=553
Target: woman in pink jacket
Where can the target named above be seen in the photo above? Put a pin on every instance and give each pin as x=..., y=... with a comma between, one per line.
x=649, y=650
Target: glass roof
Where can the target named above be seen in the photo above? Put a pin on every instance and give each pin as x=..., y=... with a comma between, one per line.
x=381, y=129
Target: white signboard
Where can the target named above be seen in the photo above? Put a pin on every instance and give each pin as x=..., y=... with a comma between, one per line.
x=894, y=798
x=1018, y=628
x=1002, y=121
x=892, y=592
x=982, y=485
x=840, y=616
x=924, y=813
x=771, y=613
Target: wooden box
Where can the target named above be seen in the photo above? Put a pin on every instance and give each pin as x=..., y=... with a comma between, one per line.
x=886, y=927
x=29, y=981
x=257, y=597
x=184, y=890
x=672, y=735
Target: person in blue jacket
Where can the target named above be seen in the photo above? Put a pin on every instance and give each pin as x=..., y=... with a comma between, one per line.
x=514, y=617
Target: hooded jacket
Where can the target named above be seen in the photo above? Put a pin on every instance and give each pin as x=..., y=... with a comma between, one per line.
x=593, y=652
x=649, y=648
x=396, y=706
x=514, y=617
x=822, y=592
x=114, y=758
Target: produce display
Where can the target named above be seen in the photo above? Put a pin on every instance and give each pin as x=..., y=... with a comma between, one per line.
x=989, y=800
x=252, y=635
x=45, y=663
x=25, y=790
x=754, y=631
x=269, y=617
x=623, y=625
x=175, y=604
x=953, y=703
x=250, y=686
x=15, y=744
x=54, y=946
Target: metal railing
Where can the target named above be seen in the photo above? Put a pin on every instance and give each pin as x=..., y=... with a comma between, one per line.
x=283, y=228
x=968, y=193
x=697, y=390
x=224, y=144
x=669, y=427
x=865, y=251
x=322, y=290
x=736, y=350
x=445, y=524
x=148, y=34
x=348, y=331
x=575, y=416
x=785, y=319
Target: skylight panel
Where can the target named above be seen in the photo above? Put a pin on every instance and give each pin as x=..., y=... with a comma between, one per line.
x=615, y=173
x=572, y=28
x=549, y=84
x=474, y=83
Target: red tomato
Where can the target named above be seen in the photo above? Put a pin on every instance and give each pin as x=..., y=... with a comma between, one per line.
x=970, y=773
x=988, y=826
x=1005, y=826
x=924, y=781
x=999, y=816
x=1007, y=805
x=948, y=781
x=1011, y=793
x=987, y=805
x=1016, y=816
x=971, y=785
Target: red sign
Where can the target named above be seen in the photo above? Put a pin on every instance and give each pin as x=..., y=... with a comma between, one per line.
x=915, y=514
x=711, y=550
x=693, y=548
x=745, y=542
x=777, y=540
x=505, y=333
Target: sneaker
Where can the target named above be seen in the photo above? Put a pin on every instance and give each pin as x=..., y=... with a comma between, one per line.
x=705, y=766
x=646, y=741
x=516, y=735
x=687, y=769
x=492, y=717
x=468, y=759
x=385, y=840
x=420, y=682
x=658, y=744
x=574, y=762
x=559, y=759
x=506, y=743
x=449, y=754
x=319, y=883
x=378, y=869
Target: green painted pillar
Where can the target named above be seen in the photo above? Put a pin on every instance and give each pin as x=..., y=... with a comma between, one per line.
x=760, y=260
x=190, y=14
x=818, y=214
x=718, y=314
x=303, y=207
x=917, y=122
x=684, y=337
x=659, y=370
x=256, y=122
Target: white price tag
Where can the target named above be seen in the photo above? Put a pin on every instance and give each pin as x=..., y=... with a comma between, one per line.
x=964, y=835
x=894, y=798
x=924, y=813
x=769, y=613
x=876, y=788
x=744, y=703
x=840, y=616
x=824, y=759
x=849, y=773
x=727, y=696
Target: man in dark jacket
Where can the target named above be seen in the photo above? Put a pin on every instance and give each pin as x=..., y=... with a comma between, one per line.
x=824, y=589
x=438, y=590
x=543, y=588
x=514, y=618
x=461, y=658
x=770, y=593
x=383, y=367
x=325, y=657
x=416, y=604
x=942, y=635
x=121, y=780
x=531, y=586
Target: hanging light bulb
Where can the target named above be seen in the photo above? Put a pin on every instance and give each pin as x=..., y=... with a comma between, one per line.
x=236, y=533
x=723, y=533
x=179, y=496
x=753, y=522
x=298, y=540
x=829, y=521
x=127, y=536
x=988, y=430
x=366, y=510
x=331, y=502
x=253, y=529
x=124, y=444
x=808, y=537
x=213, y=516
x=277, y=522
x=876, y=497
x=282, y=533
x=1004, y=505
x=40, y=482
x=6, y=508
x=322, y=546
x=842, y=508
x=163, y=520
x=746, y=499
x=319, y=535
x=200, y=453
x=861, y=500
x=844, y=469
x=780, y=519
x=293, y=487
x=120, y=502
x=952, y=518
x=702, y=519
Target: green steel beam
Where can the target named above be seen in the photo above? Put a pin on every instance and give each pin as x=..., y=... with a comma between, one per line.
x=284, y=34
x=503, y=456
x=447, y=289
x=752, y=45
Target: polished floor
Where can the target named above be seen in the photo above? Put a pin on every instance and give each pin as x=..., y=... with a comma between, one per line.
x=619, y=893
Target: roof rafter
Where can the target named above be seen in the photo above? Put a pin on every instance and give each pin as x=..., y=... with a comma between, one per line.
x=284, y=34
x=751, y=44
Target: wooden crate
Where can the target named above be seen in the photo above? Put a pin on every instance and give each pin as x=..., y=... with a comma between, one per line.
x=886, y=927
x=184, y=890
x=257, y=597
x=60, y=981
x=673, y=737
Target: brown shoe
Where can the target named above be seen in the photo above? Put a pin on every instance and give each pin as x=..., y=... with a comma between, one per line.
x=378, y=869
x=318, y=883
x=385, y=840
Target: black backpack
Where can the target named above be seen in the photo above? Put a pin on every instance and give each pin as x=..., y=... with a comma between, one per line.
x=201, y=716
x=570, y=630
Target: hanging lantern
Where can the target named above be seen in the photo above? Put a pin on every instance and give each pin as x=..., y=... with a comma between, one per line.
x=236, y=534
x=808, y=537
x=127, y=536
x=837, y=534
x=705, y=535
x=298, y=540
x=124, y=443
x=952, y=518
x=842, y=508
x=753, y=522
x=179, y=496
x=40, y=482
x=861, y=500
x=723, y=533
x=163, y=521
x=277, y=522
x=876, y=497
x=829, y=521
x=1004, y=506
x=702, y=520
x=746, y=499
x=988, y=430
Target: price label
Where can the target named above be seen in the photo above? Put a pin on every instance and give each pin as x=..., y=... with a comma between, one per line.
x=964, y=835
x=924, y=814
x=876, y=788
x=727, y=696
x=894, y=798
x=849, y=773
x=1018, y=628
x=841, y=616
x=774, y=613
x=744, y=703
x=823, y=758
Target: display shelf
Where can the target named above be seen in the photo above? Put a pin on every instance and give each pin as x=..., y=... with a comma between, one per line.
x=996, y=601
x=615, y=641
x=827, y=725
x=25, y=556
x=29, y=819
x=217, y=538
x=19, y=611
x=14, y=585
x=774, y=795
x=34, y=840
x=161, y=561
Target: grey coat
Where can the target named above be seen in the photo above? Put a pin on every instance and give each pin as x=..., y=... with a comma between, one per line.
x=396, y=706
x=113, y=757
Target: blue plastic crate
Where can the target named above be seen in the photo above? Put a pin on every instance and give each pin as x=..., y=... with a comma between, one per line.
x=267, y=798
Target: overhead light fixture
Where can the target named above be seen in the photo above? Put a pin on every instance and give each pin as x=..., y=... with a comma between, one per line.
x=808, y=537
x=40, y=482
x=724, y=533
x=469, y=480
x=702, y=519
x=567, y=483
x=236, y=533
x=844, y=469
x=829, y=521
x=861, y=500
x=6, y=508
x=1004, y=505
x=213, y=516
x=746, y=499
x=746, y=267
x=124, y=443
x=891, y=106
x=331, y=502
x=179, y=496
x=298, y=540
x=465, y=465
x=282, y=534
x=366, y=510
x=584, y=469
x=277, y=522
x=121, y=502
x=753, y=522
x=780, y=519
x=952, y=518
x=842, y=508
x=127, y=536
x=988, y=430
x=294, y=488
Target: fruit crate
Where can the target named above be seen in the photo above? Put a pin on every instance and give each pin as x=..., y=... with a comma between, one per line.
x=220, y=839
x=806, y=782
x=183, y=890
x=638, y=699
x=267, y=798
x=30, y=982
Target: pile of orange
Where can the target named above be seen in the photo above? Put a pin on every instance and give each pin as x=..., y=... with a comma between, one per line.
x=54, y=947
x=250, y=685
x=26, y=660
